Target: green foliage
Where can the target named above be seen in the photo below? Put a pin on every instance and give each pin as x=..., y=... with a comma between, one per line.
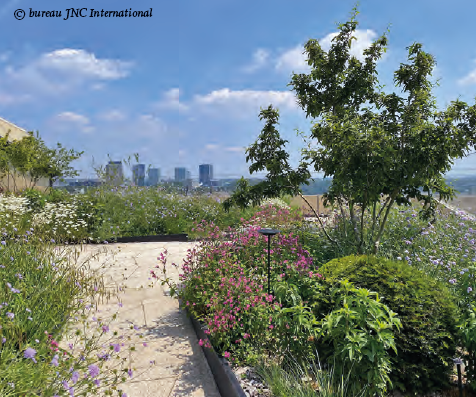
x=467, y=329
x=224, y=285
x=57, y=196
x=427, y=342
x=33, y=160
x=360, y=331
x=373, y=144
x=36, y=199
x=304, y=380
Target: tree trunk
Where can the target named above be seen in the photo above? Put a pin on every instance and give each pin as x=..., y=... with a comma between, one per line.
x=382, y=226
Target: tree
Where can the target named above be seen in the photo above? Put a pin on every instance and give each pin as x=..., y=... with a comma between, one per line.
x=373, y=144
x=31, y=159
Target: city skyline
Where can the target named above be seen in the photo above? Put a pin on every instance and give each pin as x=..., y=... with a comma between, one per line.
x=196, y=96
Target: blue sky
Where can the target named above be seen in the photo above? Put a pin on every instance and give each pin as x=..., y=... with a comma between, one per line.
x=185, y=86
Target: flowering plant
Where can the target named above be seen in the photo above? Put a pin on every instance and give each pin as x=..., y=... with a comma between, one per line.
x=223, y=284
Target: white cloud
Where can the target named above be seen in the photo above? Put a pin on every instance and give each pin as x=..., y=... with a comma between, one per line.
x=112, y=115
x=82, y=63
x=244, y=101
x=171, y=100
x=72, y=117
x=61, y=71
x=260, y=58
x=236, y=149
x=295, y=60
x=151, y=126
x=7, y=99
x=212, y=146
x=70, y=121
x=469, y=79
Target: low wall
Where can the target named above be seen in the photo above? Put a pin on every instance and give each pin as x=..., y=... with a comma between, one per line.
x=17, y=183
x=315, y=201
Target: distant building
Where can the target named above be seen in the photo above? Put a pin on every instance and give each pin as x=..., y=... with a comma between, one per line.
x=153, y=177
x=180, y=174
x=138, y=174
x=205, y=174
x=114, y=173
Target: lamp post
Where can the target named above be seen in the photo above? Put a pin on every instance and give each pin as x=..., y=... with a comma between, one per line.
x=458, y=363
x=269, y=232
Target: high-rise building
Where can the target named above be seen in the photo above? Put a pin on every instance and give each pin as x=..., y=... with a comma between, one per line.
x=153, y=176
x=114, y=173
x=205, y=174
x=180, y=174
x=138, y=174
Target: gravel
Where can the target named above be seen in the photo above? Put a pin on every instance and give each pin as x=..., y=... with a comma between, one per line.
x=251, y=383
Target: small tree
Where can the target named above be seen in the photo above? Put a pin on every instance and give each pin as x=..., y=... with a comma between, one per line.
x=373, y=144
x=31, y=159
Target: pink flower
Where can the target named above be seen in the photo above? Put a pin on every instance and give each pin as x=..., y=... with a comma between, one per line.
x=226, y=355
x=200, y=342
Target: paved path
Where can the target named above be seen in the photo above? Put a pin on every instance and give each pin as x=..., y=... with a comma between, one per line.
x=180, y=367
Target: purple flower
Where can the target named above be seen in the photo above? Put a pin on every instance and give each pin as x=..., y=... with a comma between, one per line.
x=75, y=377
x=105, y=328
x=10, y=315
x=469, y=289
x=129, y=372
x=93, y=370
x=30, y=353
x=4, y=340
x=117, y=347
x=55, y=361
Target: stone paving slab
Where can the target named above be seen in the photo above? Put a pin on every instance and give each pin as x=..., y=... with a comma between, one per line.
x=179, y=366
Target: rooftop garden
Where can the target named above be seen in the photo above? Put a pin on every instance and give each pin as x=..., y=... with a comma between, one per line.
x=375, y=299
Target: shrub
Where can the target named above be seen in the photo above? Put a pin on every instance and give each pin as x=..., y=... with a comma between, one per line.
x=359, y=333
x=57, y=195
x=224, y=284
x=36, y=199
x=427, y=342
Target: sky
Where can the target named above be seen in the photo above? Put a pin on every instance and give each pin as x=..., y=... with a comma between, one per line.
x=184, y=86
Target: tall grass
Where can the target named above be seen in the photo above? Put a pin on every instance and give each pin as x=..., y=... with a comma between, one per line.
x=306, y=379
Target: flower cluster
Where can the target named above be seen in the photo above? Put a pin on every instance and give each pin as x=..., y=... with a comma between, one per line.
x=224, y=280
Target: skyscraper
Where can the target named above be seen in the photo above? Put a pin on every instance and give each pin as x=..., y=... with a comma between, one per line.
x=180, y=174
x=138, y=174
x=114, y=173
x=205, y=172
x=154, y=176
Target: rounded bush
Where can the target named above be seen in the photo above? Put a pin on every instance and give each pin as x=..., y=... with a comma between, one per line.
x=426, y=343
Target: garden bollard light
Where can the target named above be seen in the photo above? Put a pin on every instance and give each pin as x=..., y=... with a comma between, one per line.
x=458, y=363
x=269, y=233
